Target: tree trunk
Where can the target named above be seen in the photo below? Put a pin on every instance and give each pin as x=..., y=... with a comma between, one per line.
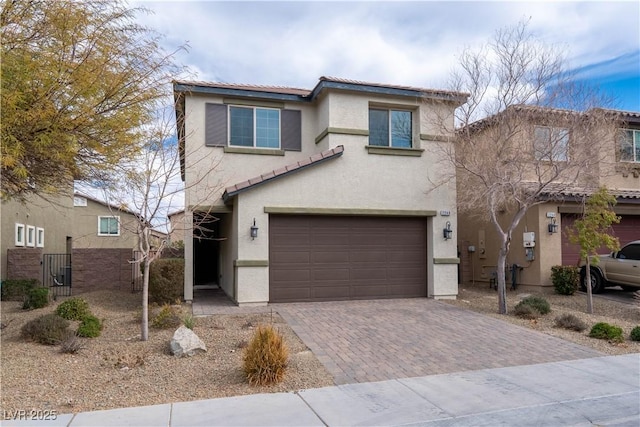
x=144, y=325
x=589, y=292
x=502, y=285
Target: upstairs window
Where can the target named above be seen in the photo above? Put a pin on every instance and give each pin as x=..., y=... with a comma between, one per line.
x=108, y=226
x=630, y=146
x=551, y=144
x=390, y=128
x=31, y=236
x=254, y=127
x=20, y=231
x=40, y=237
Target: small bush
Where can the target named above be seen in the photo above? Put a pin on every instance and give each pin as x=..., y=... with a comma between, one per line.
x=169, y=316
x=189, y=321
x=166, y=280
x=565, y=279
x=17, y=290
x=265, y=358
x=73, y=309
x=571, y=322
x=36, y=298
x=635, y=334
x=526, y=312
x=49, y=329
x=539, y=304
x=90, y=327
x=605, y=331
x=71, y=345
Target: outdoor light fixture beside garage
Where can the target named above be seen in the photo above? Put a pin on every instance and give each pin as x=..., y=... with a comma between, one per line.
x=254, y=230
x=447, y=232
x=553, y=227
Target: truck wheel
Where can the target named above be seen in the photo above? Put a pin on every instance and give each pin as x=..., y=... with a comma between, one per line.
x=597, y=282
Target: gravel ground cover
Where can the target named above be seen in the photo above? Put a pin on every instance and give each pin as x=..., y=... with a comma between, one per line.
x=118, y=370
x=484, y=300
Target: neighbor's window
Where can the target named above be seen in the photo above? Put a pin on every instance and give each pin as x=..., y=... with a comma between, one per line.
x=254, y=127
x=551, y=144
x=31, y=236
x=40, y=237
x=630, y=146
x=108, y=226
x=20, y=229
x=79, y=201
x=390, y=128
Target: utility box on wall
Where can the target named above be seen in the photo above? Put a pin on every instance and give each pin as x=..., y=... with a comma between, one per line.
x=529, y=239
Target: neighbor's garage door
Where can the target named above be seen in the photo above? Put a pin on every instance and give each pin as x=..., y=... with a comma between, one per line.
x=626, y=231
x=327, y=258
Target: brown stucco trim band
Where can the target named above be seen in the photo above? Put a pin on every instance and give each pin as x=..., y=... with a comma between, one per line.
x=263, y=151
x=251, y=263
x=346, y=211
x=393, y=151
x=430, y=137
x=253, y=103
x=341, y=131
x=446, y=260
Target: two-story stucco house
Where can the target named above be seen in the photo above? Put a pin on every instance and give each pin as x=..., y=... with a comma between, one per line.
x=616, y=166
x=321, y=194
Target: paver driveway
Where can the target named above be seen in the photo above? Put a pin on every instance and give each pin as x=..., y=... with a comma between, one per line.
x=361, y=341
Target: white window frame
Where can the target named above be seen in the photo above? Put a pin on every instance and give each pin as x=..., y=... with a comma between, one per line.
x=558, y=153
x=109, y=234
x=390, y=125
x=20, y=234
x=255, y=123
x=31, y=236
x=635, y=143
x=39, y=237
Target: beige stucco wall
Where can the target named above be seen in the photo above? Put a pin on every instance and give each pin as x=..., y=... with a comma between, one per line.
x=355, y=180
x=85, y=227
x=52, y=215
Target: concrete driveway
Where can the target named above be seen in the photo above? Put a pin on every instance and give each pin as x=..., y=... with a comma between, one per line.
x=363, y=341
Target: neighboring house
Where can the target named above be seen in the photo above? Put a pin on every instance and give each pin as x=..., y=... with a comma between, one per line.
x=176, y=226
x=322, y=194
x=35, y=227
x=617, y=168
x=48, y=239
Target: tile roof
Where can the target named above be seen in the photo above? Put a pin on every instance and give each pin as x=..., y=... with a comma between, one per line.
x=317, y=158
x=380, y=85
x=561, y=191
x=257, y=88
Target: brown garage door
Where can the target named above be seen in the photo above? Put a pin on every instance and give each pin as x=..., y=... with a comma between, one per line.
x=328, y=258
x=626, y=231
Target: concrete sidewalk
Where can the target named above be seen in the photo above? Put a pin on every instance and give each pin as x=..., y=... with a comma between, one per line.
x=603, y=391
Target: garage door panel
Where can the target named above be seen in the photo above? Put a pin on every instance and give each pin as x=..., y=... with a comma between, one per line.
x=348, y=258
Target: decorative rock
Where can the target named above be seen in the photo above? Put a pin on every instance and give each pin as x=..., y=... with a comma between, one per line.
x=186, y=343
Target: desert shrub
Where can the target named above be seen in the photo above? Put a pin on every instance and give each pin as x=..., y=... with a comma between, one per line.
x=36, y=298
x=605, y=331
x=17, y=289
x=169, y=316
x=73, y=309
x=90, y=327
x=565, y=279
x=539, y=304
x=265, y=358
x=526, y=311
x=571, y=322
x=189, y=321
x=49, y=329
x=166, y=280
x=72, y=344
x=635, y=334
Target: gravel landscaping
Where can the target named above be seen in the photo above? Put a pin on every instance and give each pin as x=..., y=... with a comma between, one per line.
x=118, y=370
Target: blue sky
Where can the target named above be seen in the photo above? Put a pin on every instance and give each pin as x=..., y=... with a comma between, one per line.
x=407, y=43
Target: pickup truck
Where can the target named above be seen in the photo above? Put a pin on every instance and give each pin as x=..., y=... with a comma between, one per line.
x=620, y=268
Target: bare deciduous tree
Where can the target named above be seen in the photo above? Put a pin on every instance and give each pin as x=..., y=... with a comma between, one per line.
x=527, y=133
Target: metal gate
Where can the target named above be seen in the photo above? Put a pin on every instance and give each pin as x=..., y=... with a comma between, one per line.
x=56, y=273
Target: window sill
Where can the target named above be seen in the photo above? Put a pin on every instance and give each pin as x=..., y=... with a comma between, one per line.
x=249, y=150
x=394, y=151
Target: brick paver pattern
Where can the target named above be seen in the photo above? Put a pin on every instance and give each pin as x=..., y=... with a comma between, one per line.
x=362, y=341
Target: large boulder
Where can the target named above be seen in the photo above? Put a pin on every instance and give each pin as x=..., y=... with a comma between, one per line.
x=186, y=343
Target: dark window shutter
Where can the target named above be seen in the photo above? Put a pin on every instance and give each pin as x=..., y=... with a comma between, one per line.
x=215, y=134
x=291, y=130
